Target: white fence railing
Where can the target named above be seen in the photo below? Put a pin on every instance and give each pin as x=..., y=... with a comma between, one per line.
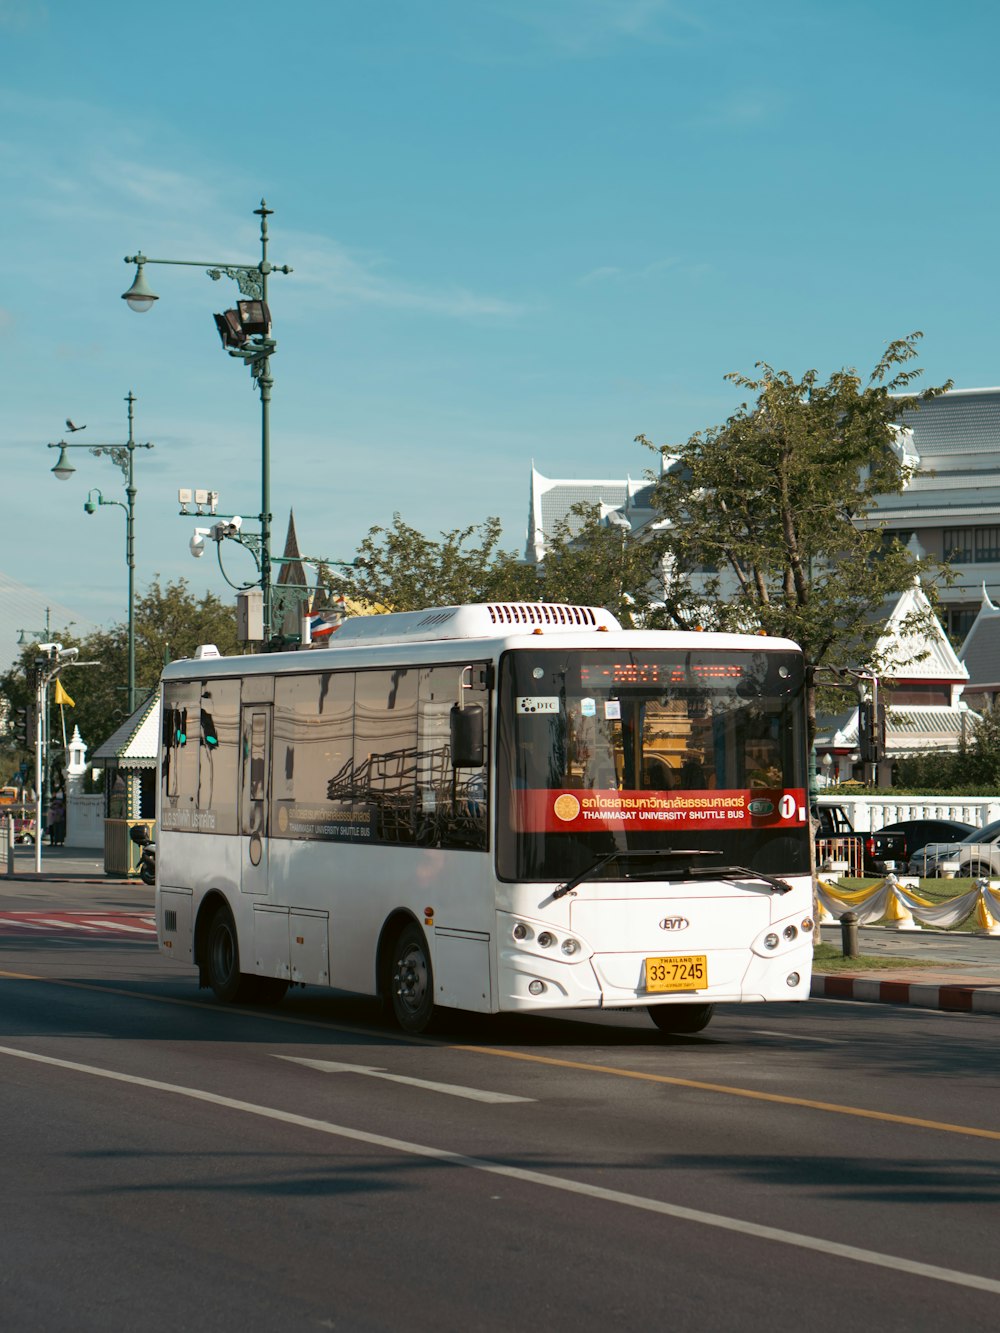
x=870, y=813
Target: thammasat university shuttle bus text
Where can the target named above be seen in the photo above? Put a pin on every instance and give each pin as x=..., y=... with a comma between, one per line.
x=495, y=808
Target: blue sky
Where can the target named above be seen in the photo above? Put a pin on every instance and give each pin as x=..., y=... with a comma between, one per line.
x=520, y=230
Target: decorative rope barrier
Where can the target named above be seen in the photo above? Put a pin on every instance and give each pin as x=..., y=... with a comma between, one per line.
x=890, y=901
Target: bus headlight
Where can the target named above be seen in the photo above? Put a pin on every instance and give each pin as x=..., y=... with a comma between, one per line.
x=536, y=987
x=521, y=931
x=792, y=979
x=546, y=939
x=790, y=933
x=771, y=941
x=569, y=947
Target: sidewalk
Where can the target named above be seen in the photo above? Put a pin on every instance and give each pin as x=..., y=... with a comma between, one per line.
x=83, y=865
x=963, y=976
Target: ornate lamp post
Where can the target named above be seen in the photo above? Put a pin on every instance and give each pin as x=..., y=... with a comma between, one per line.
x=246, y=334
x=38, y=635
x=124, y=456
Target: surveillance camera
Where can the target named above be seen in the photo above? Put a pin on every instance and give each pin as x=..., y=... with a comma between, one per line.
x=197, y=542
x=50, y=647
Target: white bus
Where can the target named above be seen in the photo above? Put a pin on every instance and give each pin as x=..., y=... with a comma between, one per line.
x=495, y=808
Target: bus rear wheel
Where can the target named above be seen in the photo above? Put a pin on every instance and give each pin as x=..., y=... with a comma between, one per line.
x=411, y=980
x=681, y=1019
x=222, y=962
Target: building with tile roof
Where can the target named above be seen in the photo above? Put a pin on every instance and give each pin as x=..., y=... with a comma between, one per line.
x=923, y=683
x=552, y=501
x=980, y=654
x=129, y=757
x=949, y=509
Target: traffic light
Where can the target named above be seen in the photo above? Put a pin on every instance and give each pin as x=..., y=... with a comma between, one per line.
x=21, y=728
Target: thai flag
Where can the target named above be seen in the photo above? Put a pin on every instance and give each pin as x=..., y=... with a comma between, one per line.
x=320, y=627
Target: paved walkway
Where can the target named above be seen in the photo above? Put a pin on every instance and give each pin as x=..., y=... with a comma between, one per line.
x=76, y=864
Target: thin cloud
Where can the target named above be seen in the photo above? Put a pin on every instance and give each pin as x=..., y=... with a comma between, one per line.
x=23, y=16
x=743, y=110
x=346, y=277
x=602, y=274
x=615, y=273
x=583, y=28
x=109, y=189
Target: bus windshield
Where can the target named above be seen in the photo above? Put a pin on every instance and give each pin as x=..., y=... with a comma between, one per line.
x=604, y=752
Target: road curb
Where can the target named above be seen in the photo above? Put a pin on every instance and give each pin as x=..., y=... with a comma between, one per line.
x=47, y=877
x=955, y=997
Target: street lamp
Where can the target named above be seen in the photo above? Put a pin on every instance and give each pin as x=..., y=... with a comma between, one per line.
x=124, y=456
x=246, y=333
x=38, y=635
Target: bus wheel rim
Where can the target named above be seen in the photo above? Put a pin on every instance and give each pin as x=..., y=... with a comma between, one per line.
x=411, y=979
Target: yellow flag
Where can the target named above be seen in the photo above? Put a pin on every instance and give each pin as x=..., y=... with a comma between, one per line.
x=60, y=696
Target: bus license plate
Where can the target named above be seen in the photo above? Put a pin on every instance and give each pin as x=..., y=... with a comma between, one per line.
x=677, y=972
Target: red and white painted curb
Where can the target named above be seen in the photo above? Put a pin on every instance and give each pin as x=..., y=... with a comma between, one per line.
x=957, y=997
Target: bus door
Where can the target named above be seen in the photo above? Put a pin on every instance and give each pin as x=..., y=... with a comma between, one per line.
x=254, y=795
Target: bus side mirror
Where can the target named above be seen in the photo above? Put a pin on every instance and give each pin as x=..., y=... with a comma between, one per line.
x=466, y=726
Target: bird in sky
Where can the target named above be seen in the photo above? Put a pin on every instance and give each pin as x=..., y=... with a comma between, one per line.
x=70, y=426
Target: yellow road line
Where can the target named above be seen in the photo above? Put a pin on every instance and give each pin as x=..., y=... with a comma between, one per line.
x=697, y=1085
x=834, y=1107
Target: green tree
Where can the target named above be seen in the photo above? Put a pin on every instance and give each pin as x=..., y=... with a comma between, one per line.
x=586, y=562
x=170, y=622
x=775, y=512
x=983, y=755
x=399, y=569
x=591, y=563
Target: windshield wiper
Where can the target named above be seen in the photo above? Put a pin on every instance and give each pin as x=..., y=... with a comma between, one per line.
x=602, y=861
x=736, y=874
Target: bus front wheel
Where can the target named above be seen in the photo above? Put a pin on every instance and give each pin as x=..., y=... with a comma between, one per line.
x=681, y=1019
x=222, y=957
x=411, y=980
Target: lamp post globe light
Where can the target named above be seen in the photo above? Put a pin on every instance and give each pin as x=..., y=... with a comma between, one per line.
x=246, y=334
x=124, y=456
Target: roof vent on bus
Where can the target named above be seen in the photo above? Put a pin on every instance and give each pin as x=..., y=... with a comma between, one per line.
x=206, y=650
x=548, y=614
x=480, y=621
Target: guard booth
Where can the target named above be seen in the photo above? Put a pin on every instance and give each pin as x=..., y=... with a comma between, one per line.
x=129, y=758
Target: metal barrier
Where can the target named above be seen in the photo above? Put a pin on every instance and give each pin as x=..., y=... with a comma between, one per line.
x=970, y=860
x=847, y=852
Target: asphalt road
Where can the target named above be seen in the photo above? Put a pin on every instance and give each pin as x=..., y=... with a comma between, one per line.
x=172, y=1164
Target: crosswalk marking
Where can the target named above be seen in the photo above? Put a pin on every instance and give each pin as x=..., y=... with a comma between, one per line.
x=122, y=924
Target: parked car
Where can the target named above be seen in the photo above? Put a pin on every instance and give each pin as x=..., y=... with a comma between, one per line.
x=919, y=832
x=976, y=854
x=878, y=852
